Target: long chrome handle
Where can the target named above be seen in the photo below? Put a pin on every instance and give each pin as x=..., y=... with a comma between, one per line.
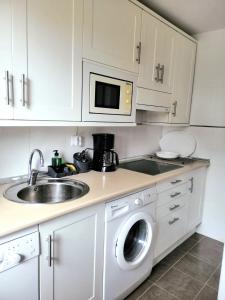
x=157, y=73
x=7, y=87
x=138, y=59
x=174, y=113
x=175, y=194
x=174, y=207
x=49, y=257
x=192, y=184
x=176, y=181
x=162, y=70
x=173, y=221
x=22, y=80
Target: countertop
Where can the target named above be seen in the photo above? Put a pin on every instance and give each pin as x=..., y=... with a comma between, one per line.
x=103, y=187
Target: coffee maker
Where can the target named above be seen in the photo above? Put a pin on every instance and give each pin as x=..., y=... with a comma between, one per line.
x=105, y=159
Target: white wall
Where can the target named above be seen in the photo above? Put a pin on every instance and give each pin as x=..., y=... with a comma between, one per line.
x=17, y=143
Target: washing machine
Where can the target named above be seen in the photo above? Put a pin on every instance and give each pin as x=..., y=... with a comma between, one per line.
x=129, y=243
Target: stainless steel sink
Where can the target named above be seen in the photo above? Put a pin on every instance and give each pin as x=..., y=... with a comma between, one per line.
x=47, y=191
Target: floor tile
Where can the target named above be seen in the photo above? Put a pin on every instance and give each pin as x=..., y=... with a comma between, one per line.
x=155, y=293
x=215, y=279
x=179, y=284
x=207, y=294
x=173, y=257
x=140, y=290
x=198, y=236
x=208, y=250
x=187, y=245
x=195, y=267
x=158, y=270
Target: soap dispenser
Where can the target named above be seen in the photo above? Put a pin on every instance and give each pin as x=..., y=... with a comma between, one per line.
x=56, y=159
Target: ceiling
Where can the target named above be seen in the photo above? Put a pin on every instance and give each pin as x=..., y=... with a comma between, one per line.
x=193, y=16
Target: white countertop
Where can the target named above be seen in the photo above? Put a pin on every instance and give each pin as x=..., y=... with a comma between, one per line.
x=103, y=187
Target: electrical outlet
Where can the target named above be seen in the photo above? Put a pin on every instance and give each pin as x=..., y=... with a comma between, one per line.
x=74, y=141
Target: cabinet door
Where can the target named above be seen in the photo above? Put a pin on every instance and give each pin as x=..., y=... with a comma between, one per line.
x=184, y=62
x=72, y=267
x=112, y=33
x=6, y=96
x=157, y=41
x=195, y=199
x=52, y=78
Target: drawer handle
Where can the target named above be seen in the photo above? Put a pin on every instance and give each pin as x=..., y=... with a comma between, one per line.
x=175, y=194
x=173, y=221
x=174, y=207
x=176, y=181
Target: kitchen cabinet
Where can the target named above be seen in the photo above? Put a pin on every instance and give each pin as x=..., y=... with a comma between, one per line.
x=172, y=216
x=45, y=40
x=6, y=96
x=71, y=261
x=111, y=33
x=196, y=180
x=179, y=209
x=157, y=46
x=184, y=62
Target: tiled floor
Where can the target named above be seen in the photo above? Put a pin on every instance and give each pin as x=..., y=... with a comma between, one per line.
x=190, y=272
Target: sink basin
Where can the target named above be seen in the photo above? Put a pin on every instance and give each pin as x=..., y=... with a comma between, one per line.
x=47, y=191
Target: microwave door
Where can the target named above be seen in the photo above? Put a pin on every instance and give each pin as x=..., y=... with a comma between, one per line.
x=107, y=95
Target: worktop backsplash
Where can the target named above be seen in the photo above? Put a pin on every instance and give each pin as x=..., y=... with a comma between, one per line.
x=17, y=143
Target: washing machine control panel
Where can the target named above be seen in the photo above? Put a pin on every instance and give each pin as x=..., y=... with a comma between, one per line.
x=124, y=205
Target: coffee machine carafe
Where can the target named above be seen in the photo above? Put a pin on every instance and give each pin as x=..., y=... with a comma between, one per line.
x=105, y=159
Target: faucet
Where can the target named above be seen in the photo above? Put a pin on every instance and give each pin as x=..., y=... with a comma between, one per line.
x=33, y=173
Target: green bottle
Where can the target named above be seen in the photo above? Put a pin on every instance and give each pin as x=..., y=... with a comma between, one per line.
x=56, y=159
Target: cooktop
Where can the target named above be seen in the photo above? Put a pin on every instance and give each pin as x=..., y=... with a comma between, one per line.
x=148, y=166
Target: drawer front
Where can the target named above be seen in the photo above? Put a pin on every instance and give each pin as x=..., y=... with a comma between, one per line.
x=172, y=183
x=172, y=194
x=170, y=229
x=171, y=207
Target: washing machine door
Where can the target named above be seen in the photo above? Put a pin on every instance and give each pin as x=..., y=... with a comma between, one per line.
x=134, y=241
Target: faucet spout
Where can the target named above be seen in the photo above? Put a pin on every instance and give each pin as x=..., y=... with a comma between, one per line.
x=32, y=173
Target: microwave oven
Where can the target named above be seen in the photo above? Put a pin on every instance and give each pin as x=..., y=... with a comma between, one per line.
x=108, y=94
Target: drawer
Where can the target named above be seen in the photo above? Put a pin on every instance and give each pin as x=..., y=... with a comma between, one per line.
x=172, y=194
x=170, y=229
x=171, y=207
x=173, y=182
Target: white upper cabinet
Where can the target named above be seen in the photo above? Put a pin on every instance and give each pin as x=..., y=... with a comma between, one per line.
x=112, y=33
x=6, y=95
x=49, y=80
x=157, y=44
x=184, y=62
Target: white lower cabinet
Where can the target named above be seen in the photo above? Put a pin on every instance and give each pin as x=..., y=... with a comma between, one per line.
x=179, y=208
x=196, y=194
x=71, y=261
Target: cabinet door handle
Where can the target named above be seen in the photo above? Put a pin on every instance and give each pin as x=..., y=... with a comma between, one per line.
x=22, y=80
x=174, y=207
x=7, y=87
x=157, y=73
x=173, y=221
x=49, y=257
x=138, y=59
x=174, y=111
x=176, y=181
x=162, y=70
x=175, y=194
x=192, y=184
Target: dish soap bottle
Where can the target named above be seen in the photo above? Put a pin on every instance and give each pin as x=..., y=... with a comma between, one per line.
x=56, y=159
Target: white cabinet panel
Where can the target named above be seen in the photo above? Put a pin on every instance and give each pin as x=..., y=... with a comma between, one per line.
x=77, y=252
x=195, y=199
x=112, y=33
x=53, y=74
x=184, y=62
x=157, y=40
x=6, y=109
